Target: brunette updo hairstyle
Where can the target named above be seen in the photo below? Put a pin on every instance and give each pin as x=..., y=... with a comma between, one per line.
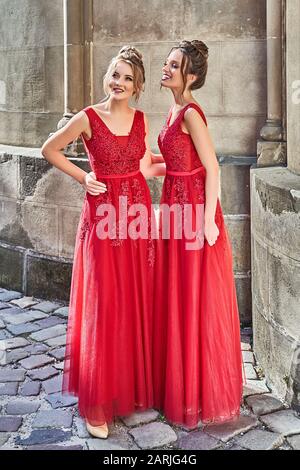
x=194, y=61
x=133, y=57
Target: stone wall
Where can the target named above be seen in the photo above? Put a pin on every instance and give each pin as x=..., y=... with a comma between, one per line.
x=34, y=215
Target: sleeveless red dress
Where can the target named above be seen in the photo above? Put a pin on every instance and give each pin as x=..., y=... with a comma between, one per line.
x=197, y=359
x=108, y=347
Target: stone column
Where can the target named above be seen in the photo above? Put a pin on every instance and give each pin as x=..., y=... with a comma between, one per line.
x=271, y=149
x=77, y=24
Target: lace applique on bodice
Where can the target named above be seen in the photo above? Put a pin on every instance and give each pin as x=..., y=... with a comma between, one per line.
x=176, y=146
x=106, y=155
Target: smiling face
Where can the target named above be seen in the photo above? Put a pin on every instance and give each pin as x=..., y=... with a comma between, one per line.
x=120, y=81
x=172, y=75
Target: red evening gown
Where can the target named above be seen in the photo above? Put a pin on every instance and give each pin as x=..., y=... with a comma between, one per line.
x=108, y=349
x=197, y=359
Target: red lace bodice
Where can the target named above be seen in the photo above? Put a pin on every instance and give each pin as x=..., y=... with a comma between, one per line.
x=106, y=154
x=176, y=146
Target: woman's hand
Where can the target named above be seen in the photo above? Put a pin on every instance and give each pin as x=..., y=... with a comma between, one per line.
x=211, y=232
x=92, y=186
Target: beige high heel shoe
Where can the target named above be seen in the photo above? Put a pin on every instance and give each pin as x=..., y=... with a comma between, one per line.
x=97, y=431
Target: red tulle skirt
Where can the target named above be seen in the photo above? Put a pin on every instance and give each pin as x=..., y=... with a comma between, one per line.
x=197, y=359
x=108, y=360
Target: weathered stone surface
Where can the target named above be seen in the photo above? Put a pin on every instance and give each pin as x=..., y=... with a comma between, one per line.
x=43, y=373
x=59, y=341
x=228, y=430
x=10, y=312
x=24, y=302
x=52, y=332
x=12, y=375
x=50, y=321
x=10, y=423
x=36, y=348
x=53, y=419
x=57, y=447
x=22, y=328
x=63, y=312
x=14, y=356
x=18, y=316
x=30, y=388
x=80, y=427
x=57, y=400
x=249, y=370
x=263, y=404
x=285, y=422
x=2, y=324
x=9, y=388
x=44, y=436
x=3, y=438
x=53, y=385
x=9, y=295
x=13, y=343
x=255, y=387
x=140, y=418
x=153, y=435
x=294, y=441
x=59, y=365
x=248, y=356
x=260, y=440
x=58, y=353
x=35, y=361
x=19, y=407
x=3, y=305
x=198, y=440
x=47, y=307
x=245, y=346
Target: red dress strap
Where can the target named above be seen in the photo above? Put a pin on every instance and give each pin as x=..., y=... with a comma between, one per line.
x=197, y=108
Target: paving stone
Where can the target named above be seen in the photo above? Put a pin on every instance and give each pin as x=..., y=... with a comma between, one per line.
x=3, y=438
x=53, y=385
x=50, y=321
x=8, y=314
x=198, y=440
x=263, y=404
x=10, y=295
x=37, y=348
x=58, y=400
x=140, y=418
x=10, y=423
x=23, y=328
x=13, y=356
x=3, y=305
x=153, y=435
x=258, y=439
x=284, y=422
x=59, y=341
x=63, y=311
x=248, y=356
x=9, y=388
x=250, y=371
x=35, y=361
x=58, y=353
x=48, y=333
x=53, y=419
x=294, y=441
x=44, y=436
x=30, y=388
x=255, y=387
x=229, y=429
x=21, y=407
x=245, y=346
x=12, y=375
x=4, y=334
x=17, y=318
x=59, y=366
x=2, y=324
x=106, y=444
x=24, y=302
x=12, y=343
x=47, y=307
x=43, y=373
x=56, y=447
x=80, y=427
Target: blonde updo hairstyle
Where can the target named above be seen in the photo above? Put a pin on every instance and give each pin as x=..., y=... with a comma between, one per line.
x=134, y=58
x=194, y=61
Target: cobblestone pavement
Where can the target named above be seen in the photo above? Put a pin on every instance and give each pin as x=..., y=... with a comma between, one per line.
x=34, y=414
